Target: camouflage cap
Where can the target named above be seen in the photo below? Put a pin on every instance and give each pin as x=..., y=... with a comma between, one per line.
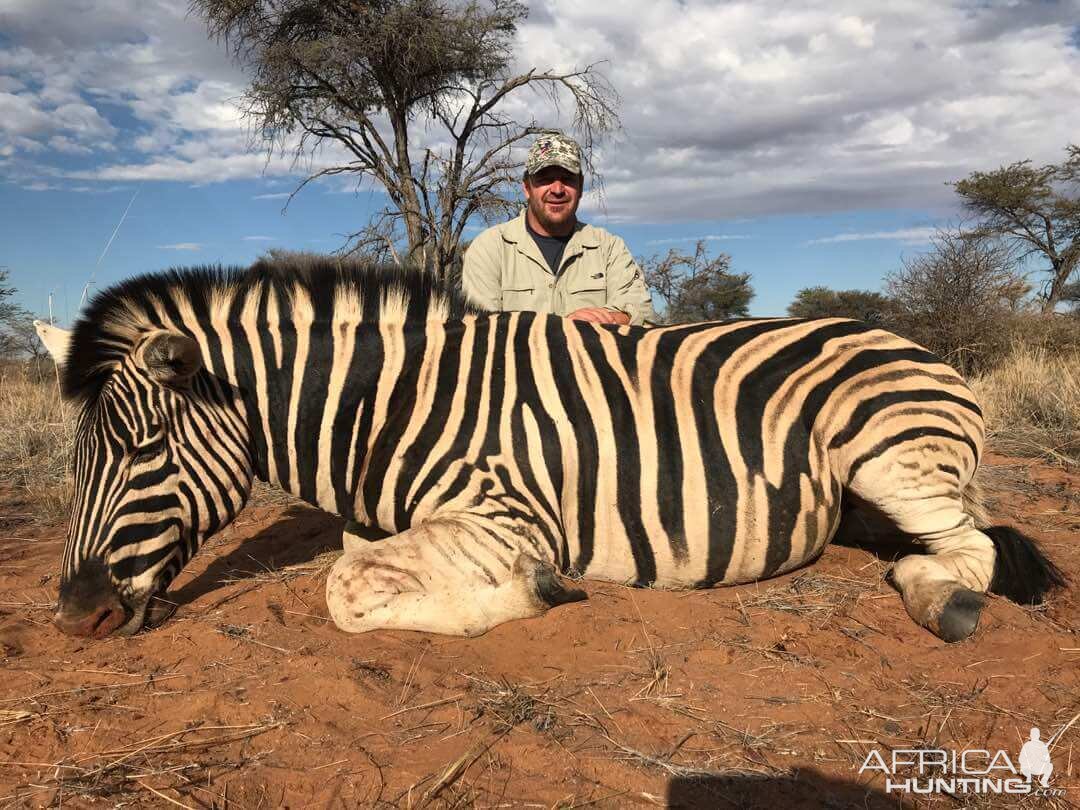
x=554, y=150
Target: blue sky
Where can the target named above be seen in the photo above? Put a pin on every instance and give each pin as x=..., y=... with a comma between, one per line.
x=813, y=143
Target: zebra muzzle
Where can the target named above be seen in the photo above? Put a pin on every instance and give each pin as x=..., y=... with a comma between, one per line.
x=95, y=623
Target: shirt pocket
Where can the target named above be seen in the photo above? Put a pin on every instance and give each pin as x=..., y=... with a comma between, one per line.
x=589, y=290
x=517, y=298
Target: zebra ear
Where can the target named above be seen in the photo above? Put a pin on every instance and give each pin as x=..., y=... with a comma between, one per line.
x=171, y=358
x=56, y=340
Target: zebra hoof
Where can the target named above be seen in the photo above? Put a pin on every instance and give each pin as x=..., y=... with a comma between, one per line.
x=159, y=611
x=547, y=588
x=960, y=615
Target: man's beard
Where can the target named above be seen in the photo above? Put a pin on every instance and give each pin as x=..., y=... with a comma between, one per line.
x=549, y=223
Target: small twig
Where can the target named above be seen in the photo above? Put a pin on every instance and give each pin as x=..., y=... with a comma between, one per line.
x=430, y=705
x=308, y=615
x=1058, y=736
x=162, y=795
x=413, y=669
x=245, y=637
x=151, y=680
x=329, y=765
x=458, y=767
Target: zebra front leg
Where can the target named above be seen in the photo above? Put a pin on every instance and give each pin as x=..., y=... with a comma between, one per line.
x=356, y=536
x=447, y=575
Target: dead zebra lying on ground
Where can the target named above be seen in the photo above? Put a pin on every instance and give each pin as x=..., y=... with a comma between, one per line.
x=501, y=448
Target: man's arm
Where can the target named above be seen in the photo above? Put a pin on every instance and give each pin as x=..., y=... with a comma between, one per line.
x=626, y=285
x=481, y=271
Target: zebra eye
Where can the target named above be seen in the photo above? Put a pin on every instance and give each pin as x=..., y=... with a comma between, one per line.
x=148, y=452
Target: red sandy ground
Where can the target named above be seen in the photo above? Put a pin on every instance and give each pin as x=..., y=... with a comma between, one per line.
x=767, y=695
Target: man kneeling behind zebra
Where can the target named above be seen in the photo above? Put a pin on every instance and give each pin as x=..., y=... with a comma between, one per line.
x=499, y=449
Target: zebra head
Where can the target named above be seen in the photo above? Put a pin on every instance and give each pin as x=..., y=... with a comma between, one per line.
x=161, y=462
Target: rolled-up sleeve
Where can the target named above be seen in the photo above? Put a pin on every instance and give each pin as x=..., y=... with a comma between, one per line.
x=481, y=272
x=627, y=290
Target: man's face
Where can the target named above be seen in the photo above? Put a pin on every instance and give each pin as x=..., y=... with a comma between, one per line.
x=553, y=194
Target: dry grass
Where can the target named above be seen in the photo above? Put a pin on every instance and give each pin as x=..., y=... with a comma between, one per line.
x=814, y=595
x=506, y=705
x=177, y=761
x=1032, y=405
x=37, y=431
x=36, y=435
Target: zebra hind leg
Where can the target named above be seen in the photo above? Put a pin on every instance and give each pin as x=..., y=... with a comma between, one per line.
x=443, y=576
x=943, y=589
x=936, y=586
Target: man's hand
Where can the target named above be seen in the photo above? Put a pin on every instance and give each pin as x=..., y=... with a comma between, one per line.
x=599, y=315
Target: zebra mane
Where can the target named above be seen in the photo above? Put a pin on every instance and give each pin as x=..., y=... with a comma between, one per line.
x=316, y=288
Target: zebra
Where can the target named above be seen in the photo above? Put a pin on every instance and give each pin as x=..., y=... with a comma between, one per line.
x=506, y=453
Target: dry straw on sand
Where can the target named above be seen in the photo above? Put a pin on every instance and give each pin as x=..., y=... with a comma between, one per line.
x=1031, y=400
x=1032, y=405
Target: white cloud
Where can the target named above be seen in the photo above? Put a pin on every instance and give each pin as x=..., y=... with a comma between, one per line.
x=259, y=238
x=145, y=61
x=97, y=189
x=65, y=145
x=182, y=246
x=41, y=186
x=207, y=170
x=911, y=236
x=857, y=30
x=21, y=115
x=278, y=195
x=750, y=109
x=709, y=238
x=730, y=110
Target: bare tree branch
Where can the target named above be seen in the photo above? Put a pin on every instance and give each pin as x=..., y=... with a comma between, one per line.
x=1035, y=209
x=385, y=78
x=698, y=287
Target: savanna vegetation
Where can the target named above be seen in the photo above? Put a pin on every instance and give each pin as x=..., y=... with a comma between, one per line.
x=997, y=297
x=416, y=94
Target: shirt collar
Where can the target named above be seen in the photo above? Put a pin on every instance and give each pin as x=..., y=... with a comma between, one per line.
x=584, y=236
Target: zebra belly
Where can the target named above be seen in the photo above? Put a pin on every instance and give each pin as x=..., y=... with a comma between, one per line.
x=751, y=552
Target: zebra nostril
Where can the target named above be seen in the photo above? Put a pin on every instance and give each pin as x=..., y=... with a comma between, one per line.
x=96, y=623
x=102, y=621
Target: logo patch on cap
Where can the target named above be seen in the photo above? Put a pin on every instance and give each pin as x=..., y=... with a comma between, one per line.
x=554, y=150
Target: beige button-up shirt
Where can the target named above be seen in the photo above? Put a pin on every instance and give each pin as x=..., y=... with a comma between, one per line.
x=504, y=271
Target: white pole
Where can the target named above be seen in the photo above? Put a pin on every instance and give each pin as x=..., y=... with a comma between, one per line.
x=97, y=264
x=116, y=229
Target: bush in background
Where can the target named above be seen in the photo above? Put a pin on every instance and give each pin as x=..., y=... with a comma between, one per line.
x=821, y=302
x=696, y=287
x=1056, y=335
x=958, y=299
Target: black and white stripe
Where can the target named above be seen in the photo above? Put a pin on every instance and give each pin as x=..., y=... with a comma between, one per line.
x=682, y=456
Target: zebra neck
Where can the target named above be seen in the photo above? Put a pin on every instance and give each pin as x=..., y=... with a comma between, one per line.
x=329, y=399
